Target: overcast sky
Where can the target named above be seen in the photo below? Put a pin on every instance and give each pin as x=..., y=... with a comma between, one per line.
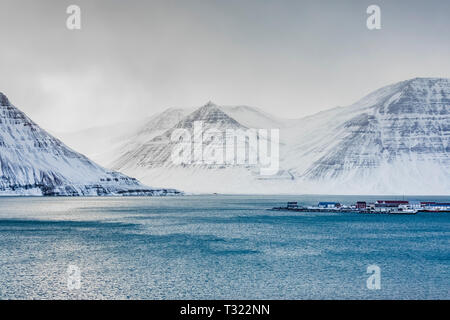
x=135, y=58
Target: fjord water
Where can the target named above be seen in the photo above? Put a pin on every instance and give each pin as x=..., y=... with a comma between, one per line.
x=217, y=247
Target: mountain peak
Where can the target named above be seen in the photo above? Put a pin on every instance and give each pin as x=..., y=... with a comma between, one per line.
x=419, y=89
x=4, y=100
x=210, y=104
x=209, y=107
x=207, y=110
x=428, y=79
x=423, y=83
x=209, y=113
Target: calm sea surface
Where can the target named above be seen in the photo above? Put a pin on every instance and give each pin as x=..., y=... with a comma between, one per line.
x=217, y=247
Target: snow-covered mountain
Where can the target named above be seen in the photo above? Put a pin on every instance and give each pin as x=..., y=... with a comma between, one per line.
x=32, y=162
x=152, y=159
x=396, y=140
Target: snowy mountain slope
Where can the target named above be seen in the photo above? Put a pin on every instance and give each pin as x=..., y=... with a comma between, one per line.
x=395, y=140
x=156, y=151
x=32, y=162
x=153, y=159
x=104, y=143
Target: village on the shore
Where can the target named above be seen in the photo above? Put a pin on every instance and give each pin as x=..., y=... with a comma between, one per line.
x=379, y=206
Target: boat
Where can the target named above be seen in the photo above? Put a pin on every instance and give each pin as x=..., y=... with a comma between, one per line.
x=403, y=211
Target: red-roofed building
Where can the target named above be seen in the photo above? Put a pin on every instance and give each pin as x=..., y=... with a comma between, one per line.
x=361, y=205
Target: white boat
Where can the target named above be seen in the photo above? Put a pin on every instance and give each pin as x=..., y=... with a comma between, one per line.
x=403, y=211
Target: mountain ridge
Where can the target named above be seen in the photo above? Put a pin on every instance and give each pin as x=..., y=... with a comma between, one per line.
x=394, y=140
x=372, y=141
